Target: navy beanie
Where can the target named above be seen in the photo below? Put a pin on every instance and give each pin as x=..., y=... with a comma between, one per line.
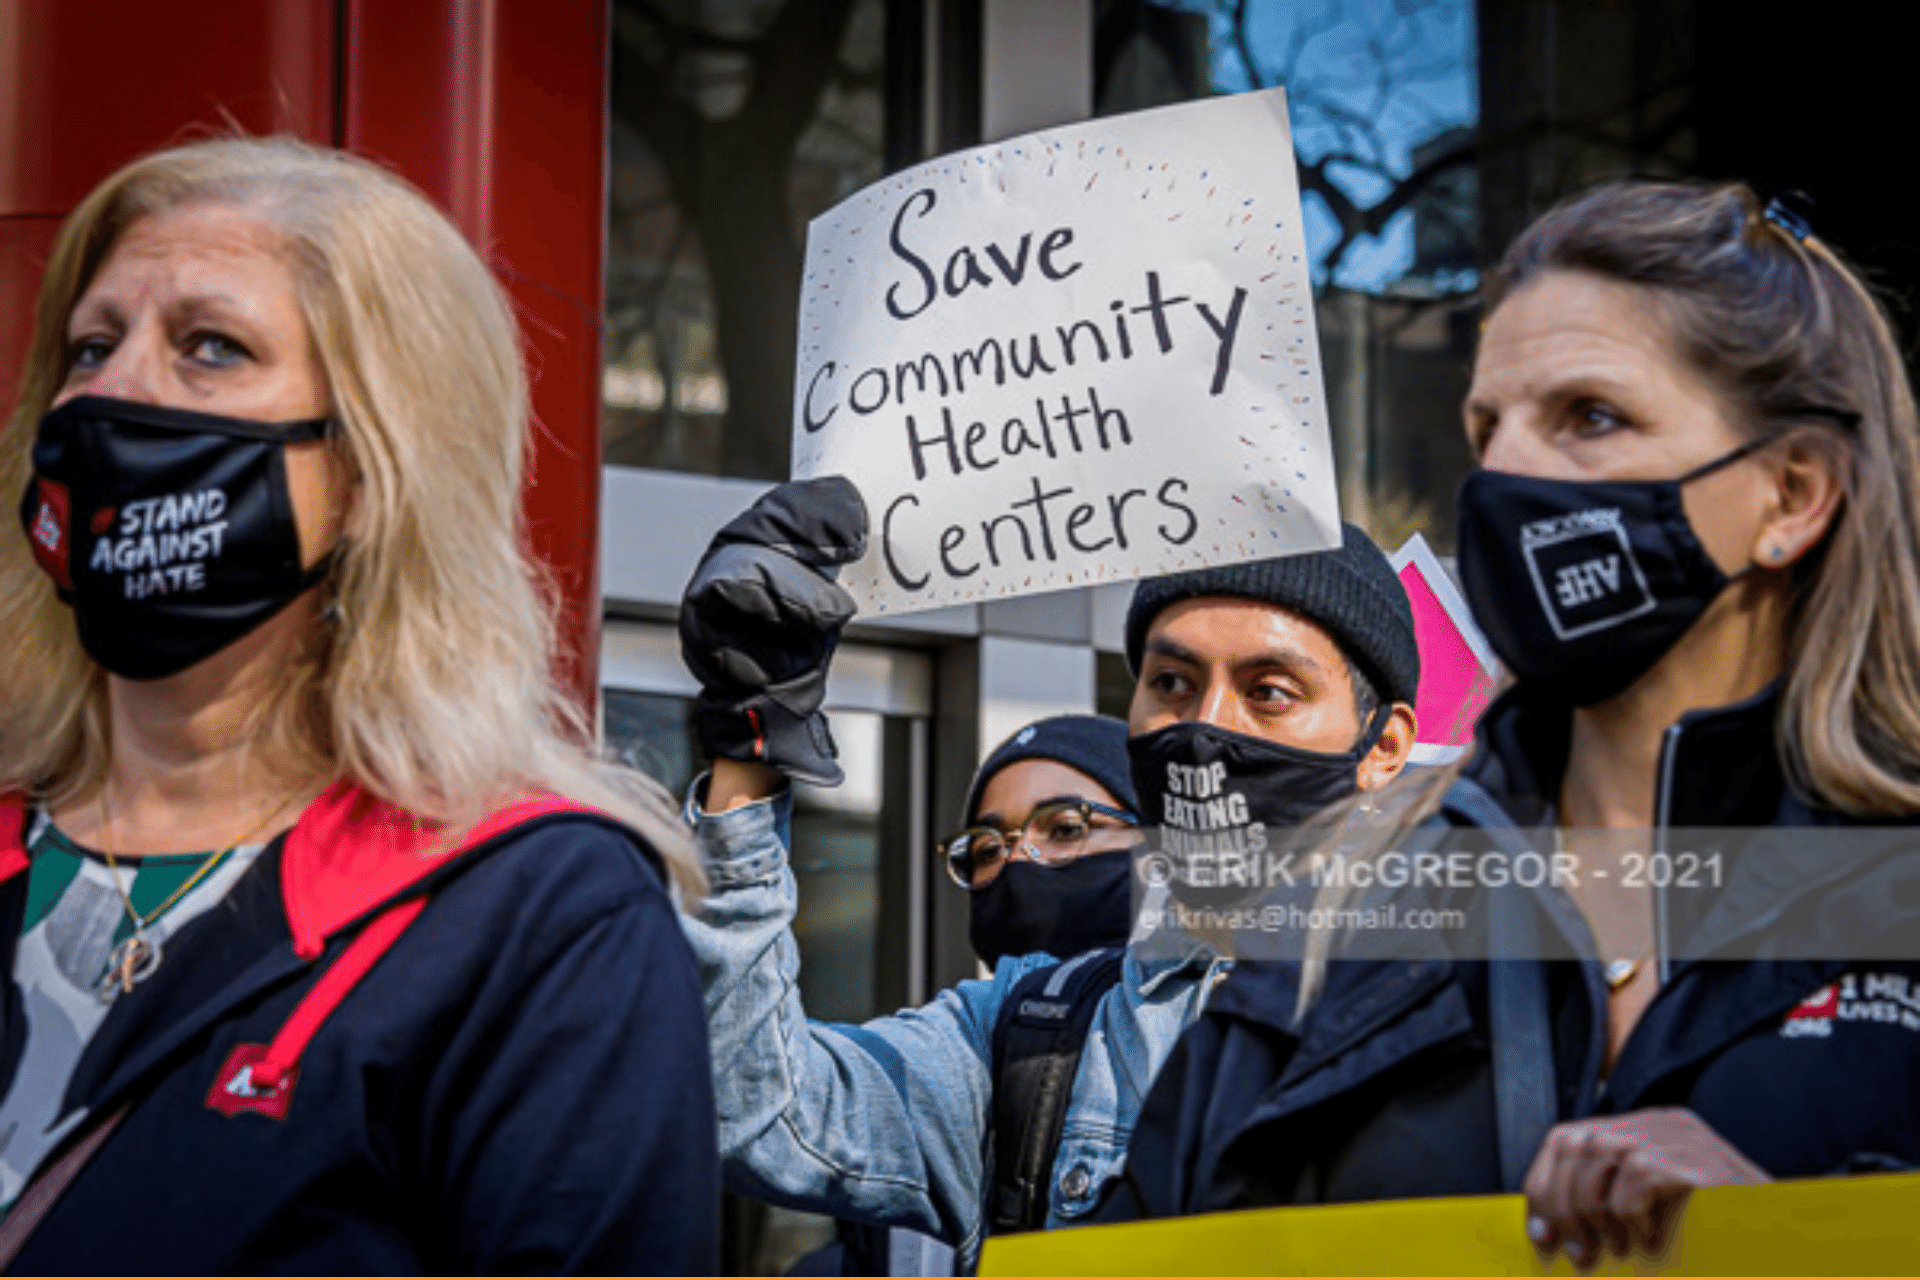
x=1349, y=590
x=1095, y=745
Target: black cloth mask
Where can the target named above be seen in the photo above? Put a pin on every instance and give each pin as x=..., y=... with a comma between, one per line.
x=169, y=532
x=1581, y=586
x=1196, y=778
x=1062, y=910
x=1218, y=799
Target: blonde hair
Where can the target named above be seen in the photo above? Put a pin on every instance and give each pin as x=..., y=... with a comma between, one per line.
x=436, y=689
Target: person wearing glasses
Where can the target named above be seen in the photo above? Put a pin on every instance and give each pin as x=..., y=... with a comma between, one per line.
x=1302, y=670
x=1045, y=860
x=1046, y=855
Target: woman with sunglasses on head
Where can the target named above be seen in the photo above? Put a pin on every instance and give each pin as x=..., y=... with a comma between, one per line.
x=1695, y=542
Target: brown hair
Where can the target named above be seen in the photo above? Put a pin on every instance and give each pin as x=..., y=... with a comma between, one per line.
x=1795, y=341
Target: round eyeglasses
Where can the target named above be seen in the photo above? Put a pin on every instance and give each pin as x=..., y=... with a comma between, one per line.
x=1055, y=832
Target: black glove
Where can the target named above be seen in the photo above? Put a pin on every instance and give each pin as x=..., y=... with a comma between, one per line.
x=760, y=620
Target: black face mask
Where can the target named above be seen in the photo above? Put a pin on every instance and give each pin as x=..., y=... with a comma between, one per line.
x=1062, y=910
x=1581, y=586
x=1196, y=778
x=170, y=533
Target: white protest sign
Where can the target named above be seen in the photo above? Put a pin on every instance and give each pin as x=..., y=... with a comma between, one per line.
x=1080, y=356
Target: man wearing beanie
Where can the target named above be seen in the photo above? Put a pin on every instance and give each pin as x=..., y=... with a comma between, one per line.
x=1290, y=680
x=1351, y=592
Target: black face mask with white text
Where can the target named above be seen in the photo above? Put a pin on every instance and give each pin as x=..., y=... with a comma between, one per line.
x=170, y=533
x=1197, y=780
x=1581, y=586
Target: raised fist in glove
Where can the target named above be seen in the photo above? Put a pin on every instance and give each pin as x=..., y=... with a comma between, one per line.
x=760, y=620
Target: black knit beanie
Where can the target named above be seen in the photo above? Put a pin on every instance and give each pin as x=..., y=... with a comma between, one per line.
x=1095, y=745
x=1351, y=591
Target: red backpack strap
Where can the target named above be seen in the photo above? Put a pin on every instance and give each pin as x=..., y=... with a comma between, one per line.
x=283, y=1054
x=347, y=854
x=13, y=834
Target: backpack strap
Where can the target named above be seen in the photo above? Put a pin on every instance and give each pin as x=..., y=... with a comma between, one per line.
x=1525, y=1090
x=346, y=855
x=1037, y=1043
x=37, y=1200
x=1525, y=1106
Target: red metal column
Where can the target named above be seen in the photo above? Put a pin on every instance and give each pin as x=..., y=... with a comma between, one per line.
x=495, y=108
x=84, y=88
x=498, y=110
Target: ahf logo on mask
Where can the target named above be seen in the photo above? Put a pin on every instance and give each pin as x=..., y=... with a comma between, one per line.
x=1584, y=571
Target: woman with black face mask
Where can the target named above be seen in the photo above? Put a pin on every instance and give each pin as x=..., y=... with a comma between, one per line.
x=327, y=941
x=1046, y=859
x=1694, y=542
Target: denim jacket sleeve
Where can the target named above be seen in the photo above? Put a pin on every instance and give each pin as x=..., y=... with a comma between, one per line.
x=883, y=1122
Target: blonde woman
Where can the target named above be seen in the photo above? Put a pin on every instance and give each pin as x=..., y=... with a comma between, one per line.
x=332, y=947
x=1695, y=541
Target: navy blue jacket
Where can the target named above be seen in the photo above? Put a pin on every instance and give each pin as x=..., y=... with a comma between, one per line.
x=521, y=1083
x=1385, y=1090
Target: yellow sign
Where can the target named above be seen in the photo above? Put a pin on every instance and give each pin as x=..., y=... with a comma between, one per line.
x=1827, y=1226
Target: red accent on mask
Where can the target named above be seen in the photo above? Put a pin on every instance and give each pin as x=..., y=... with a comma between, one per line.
x=47, y=535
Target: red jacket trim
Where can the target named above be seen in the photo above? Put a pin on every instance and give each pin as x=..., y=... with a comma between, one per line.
x=13, y=835
x=348, y=853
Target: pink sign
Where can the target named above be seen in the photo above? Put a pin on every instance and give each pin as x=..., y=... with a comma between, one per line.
x=1458, y=672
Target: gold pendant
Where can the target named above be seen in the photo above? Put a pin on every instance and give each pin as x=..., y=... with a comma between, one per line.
x=132, y=960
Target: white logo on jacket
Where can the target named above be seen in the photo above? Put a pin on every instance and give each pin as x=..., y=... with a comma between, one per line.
x=1889, y=999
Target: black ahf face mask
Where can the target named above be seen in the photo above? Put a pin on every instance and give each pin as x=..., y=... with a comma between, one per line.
x=170, y=533
x=1196, y=778
x=1581, y=586
x=1062, y=910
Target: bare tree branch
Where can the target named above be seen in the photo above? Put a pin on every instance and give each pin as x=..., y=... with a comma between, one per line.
x=731, y=179
x=1383, y=63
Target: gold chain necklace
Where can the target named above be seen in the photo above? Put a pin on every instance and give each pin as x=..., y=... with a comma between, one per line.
x=135, y=957
x=1619, y=972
